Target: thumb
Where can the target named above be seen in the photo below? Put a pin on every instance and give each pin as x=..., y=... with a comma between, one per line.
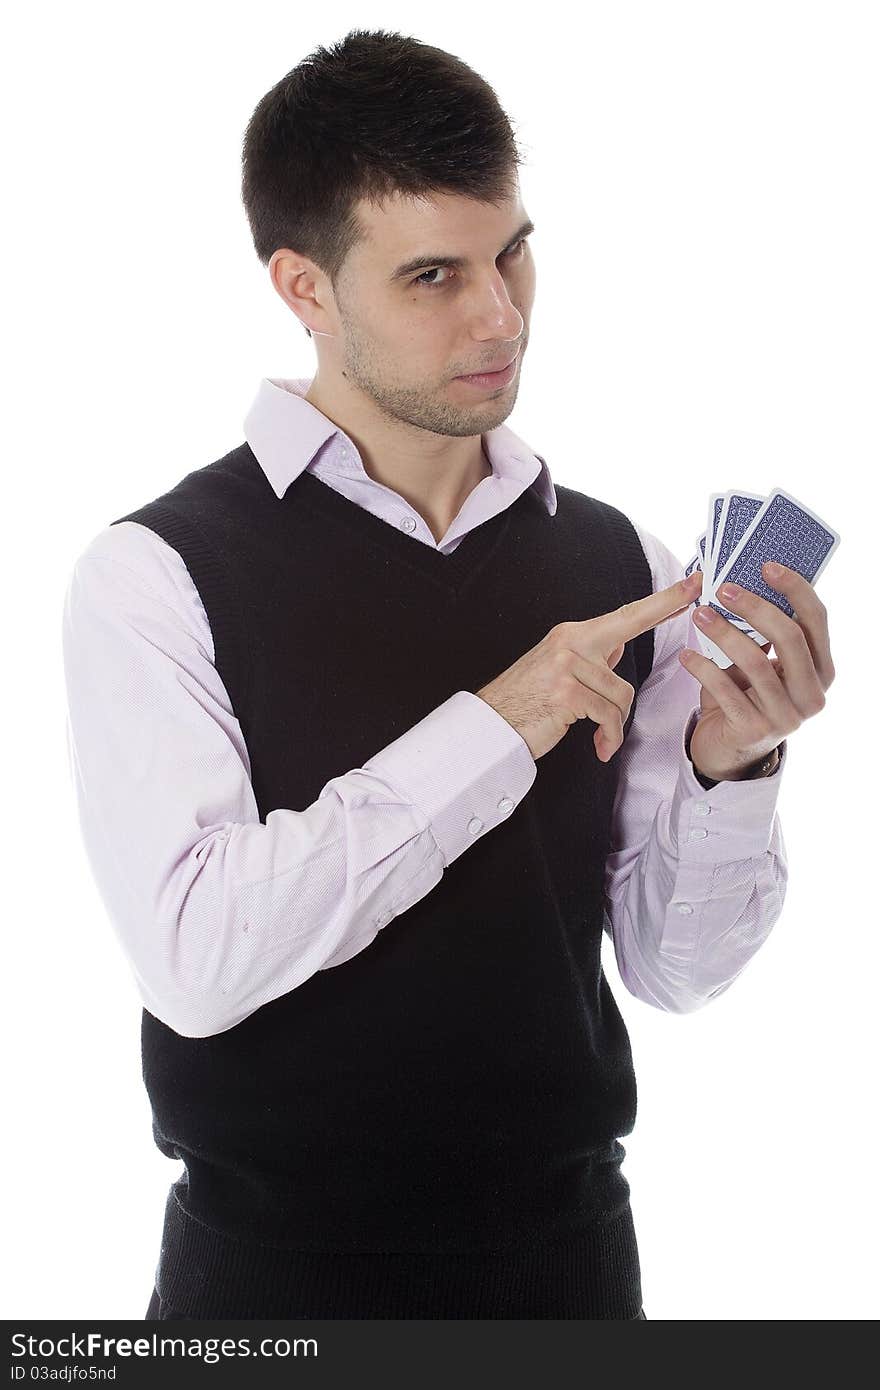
x=616, y=655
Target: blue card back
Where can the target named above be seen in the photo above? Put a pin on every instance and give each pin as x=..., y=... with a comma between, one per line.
x=786, y=531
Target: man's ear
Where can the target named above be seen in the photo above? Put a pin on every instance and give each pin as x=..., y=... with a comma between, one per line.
x=300, y=283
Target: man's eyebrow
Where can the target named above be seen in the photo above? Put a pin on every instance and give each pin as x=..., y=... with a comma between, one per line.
x=458, y=262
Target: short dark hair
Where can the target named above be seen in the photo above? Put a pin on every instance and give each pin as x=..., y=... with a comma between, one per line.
x=376, y=113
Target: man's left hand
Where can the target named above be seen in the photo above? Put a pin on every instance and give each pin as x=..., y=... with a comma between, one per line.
x=749, y=708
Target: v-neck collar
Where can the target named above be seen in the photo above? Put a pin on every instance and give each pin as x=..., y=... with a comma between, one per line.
x=453, y=572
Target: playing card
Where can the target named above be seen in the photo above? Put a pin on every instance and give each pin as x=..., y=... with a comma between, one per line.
x=737, y=511
x=716, y=503
x=744, y=531
x=785, y=530
x=732, y=513
x=703, y=560
x=698, y=563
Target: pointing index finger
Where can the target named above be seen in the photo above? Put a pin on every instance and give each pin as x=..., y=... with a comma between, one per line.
x=630, y=619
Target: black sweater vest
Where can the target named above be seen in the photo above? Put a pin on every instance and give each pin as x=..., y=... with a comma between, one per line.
x=431, y=1128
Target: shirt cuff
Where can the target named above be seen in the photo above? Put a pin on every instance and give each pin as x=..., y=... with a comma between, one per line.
x=463, y=766
x=729, y=822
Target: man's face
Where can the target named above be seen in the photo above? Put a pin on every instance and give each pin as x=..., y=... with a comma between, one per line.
x=406, y=336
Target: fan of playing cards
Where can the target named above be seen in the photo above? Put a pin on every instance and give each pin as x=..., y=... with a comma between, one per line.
x=745, y=531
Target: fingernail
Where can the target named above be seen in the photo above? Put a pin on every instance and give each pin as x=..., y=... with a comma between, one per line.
x=774, y=571
x=730, y=590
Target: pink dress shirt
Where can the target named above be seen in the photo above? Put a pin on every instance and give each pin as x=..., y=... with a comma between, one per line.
x=195, y=885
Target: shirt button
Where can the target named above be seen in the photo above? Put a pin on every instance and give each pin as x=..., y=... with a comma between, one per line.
x=383, y=919
x=699, y=834
x=407, y=524
x=702, y=808
x=475, y=826
x=505, y=804
x=684, y=907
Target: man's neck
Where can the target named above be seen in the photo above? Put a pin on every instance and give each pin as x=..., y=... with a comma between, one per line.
x=435, y=475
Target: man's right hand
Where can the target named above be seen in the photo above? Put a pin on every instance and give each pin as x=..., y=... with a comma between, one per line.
x=569, y=675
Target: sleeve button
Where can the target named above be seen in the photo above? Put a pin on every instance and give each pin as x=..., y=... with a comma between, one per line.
x=475, y=826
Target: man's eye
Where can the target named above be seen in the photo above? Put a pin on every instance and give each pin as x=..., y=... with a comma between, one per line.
x=427, y=284
x=438, y=284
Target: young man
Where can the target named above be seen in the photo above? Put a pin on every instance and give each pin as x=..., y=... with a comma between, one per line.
x=348, y=709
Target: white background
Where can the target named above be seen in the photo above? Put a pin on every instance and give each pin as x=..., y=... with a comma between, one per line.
x=703, y=180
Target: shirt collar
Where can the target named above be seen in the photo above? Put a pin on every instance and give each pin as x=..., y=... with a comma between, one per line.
x=287, y=435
